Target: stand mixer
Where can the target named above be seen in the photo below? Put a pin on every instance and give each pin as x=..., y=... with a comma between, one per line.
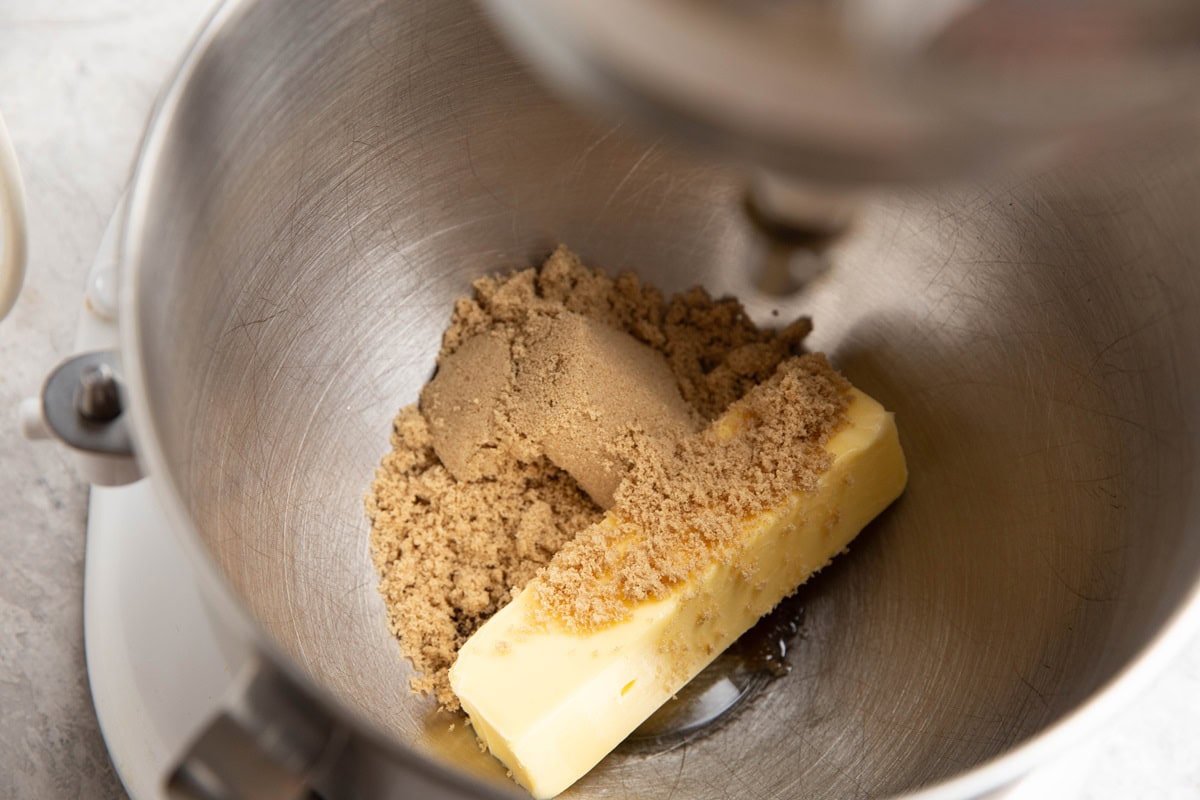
x=322, y=178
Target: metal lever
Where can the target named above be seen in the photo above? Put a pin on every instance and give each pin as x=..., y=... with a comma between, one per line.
x=270, y=742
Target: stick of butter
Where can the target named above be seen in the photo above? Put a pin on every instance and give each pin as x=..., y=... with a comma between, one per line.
x=551, y=702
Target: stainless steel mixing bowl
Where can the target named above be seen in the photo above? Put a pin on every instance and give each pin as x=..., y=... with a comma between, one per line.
x=324, y=177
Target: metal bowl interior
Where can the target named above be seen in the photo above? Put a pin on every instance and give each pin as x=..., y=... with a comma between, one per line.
x=332, y=174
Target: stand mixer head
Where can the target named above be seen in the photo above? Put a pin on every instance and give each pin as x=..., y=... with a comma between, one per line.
x=818, y=97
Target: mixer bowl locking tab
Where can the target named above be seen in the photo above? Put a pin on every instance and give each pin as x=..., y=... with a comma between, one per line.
x=82, y=404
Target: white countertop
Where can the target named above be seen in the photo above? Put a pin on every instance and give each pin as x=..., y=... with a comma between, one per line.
x=77, y=79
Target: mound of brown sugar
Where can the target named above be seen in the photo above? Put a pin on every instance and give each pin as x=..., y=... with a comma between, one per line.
x=565, y=387
x=450, y=550
x=680, y=510
x=714, y=350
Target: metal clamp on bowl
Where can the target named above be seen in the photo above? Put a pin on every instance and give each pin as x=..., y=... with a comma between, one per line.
x=81, y=405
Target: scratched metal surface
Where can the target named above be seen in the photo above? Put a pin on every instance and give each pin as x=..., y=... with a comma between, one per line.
x=324, y=194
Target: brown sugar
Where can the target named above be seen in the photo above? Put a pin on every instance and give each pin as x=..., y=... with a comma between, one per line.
x=460, y=404
x=565, y=387
x=714, y=350
x=453, y=536
x=579, y=386
x=449, y=552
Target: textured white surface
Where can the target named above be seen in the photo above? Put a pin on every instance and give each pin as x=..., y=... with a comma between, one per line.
x=77, y=79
